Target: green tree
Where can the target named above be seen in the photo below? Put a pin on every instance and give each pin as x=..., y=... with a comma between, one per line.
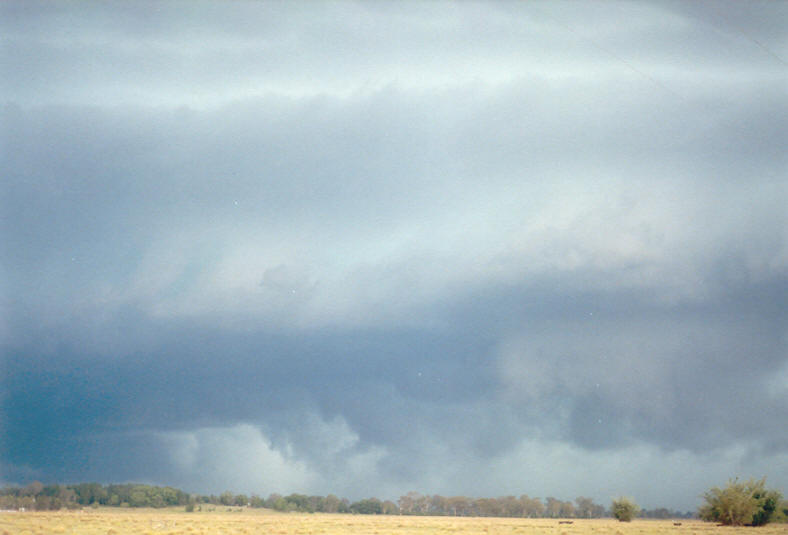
x=768, y=503
x=369, y=506
x=740, y=503
x=277, y=502
x=299, y=502
x=139, y=498
x=227, y=498
x=624, y=509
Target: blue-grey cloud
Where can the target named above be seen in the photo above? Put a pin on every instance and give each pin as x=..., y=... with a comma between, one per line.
x=370, y=248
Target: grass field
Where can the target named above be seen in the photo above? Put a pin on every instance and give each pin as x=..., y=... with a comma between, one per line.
x=151, y=521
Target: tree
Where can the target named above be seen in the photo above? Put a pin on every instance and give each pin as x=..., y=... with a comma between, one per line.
x=510, y=506
x=768, y=503
x=277, y=502
x=299, y=502
x=370, y=506
x=598, y=511
x=411, y=503
x=68, y=497
x=532, y=507
x=567, y=510
x=331, y=504
x=624, y=509
x=740, y=503
x=552, y=507
x=139, y=498
x=390, y=508
x=89, y=493
x=584, y=507
x=227, y=498
x=458, y=505
x=33, y=489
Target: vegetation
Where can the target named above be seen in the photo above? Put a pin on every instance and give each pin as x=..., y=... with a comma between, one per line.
x=741, y=503
x=624, y=509
x=39, y=497
x=662, y=513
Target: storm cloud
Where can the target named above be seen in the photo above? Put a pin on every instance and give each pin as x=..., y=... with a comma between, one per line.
x=358, y=248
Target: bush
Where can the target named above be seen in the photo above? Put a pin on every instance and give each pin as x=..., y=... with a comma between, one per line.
x=740, y=503
x=624, y=509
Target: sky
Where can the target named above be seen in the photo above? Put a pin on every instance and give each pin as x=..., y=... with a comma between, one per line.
x=364, y=248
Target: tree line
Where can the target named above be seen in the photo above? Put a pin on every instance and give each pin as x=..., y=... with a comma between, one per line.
x=39, y=497
x=739, y=503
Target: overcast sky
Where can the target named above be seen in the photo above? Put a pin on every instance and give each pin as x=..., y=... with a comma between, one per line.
x=368, y=248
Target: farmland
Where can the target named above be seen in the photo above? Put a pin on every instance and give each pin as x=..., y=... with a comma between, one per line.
x=116, y=521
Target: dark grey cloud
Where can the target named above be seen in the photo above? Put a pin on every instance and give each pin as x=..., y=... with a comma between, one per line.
x=354, y=248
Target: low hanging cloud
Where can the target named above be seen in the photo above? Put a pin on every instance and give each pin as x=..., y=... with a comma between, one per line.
x=662, y=380
x=239, y=457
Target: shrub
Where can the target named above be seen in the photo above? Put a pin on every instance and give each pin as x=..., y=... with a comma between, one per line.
x=624, y=509
x=740, y=503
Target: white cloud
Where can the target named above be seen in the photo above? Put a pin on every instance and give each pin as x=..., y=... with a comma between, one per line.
x=239, y=458
x=344, y=49
x=325, y=459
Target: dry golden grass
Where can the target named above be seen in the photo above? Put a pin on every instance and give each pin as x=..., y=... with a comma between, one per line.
x=251, y=522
